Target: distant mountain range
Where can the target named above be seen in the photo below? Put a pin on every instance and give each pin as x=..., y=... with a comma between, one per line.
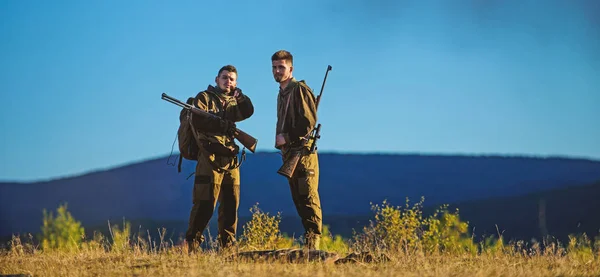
x=153, y=190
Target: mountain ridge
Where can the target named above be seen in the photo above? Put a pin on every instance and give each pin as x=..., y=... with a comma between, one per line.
x=173, y=158
x=348, y=184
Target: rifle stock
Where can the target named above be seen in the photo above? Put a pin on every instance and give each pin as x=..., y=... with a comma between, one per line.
x=244, y=138
x=289, y=166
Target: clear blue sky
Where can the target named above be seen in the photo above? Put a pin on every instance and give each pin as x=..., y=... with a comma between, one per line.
x=81, y=80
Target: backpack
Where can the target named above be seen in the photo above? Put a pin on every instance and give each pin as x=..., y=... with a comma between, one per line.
x=188, y=147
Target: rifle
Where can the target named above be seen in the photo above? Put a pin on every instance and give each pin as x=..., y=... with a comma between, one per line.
x=245, y=139
x=289, y=166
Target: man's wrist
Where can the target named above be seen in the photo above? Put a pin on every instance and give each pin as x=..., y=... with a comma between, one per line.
x=239, y=96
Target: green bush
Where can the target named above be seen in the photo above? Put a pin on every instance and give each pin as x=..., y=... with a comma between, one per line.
x=446, y=233
x=62, y=232
x=120, y=237
x=262, y=232
x=495, y=246
x=406, y=230
x=333, y=243
x=580, y=248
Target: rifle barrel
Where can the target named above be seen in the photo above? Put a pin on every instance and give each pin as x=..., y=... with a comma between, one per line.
x=247, y=140
x=187, y=106
x=322, y=86
x=174, y=101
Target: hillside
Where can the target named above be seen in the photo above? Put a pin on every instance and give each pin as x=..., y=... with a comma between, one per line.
x=153, y=190
x=557, y=212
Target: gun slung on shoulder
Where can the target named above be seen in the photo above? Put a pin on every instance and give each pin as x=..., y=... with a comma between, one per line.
x=245, y=139
x=289, y=166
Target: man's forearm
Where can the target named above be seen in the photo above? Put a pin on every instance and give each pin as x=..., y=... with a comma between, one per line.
x=245, y=108
x=302, y=129
x=206, y=124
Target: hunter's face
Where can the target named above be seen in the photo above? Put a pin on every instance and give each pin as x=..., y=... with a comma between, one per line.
x=282, y=70
x=226, y=80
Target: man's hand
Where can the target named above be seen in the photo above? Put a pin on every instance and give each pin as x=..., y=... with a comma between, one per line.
x=228, y=127
x=280, y=140
x=237, y=93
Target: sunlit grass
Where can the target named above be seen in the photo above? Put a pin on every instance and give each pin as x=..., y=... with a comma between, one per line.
x=437, y=245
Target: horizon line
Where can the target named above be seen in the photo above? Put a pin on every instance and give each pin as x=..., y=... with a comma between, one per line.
x=175, y=154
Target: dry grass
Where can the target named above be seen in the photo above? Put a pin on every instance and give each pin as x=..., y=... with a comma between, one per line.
x=174, y=261
x=438, y=245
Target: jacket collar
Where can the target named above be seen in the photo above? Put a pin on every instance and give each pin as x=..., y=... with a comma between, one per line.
x=290, y=86
x=217, y=91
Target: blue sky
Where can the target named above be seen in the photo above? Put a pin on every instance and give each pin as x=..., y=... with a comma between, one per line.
x=81, y=80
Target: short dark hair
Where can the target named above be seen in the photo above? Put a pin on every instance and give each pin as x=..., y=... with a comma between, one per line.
x=283, y=55
x=229, y=68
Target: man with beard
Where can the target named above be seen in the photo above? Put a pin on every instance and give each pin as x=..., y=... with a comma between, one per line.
x=217, y=175
x=296, y=118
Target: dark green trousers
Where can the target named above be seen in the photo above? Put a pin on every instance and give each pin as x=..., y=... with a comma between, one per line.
x=212, y=186
x=304, y=187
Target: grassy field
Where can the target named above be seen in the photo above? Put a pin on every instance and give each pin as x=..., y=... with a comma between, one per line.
x=438, y=245
x=176, y=262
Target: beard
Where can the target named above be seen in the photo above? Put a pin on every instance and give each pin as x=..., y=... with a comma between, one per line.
x=226, y=89
x=278, y=78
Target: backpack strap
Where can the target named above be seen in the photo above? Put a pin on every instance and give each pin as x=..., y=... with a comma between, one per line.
x=188, y=118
